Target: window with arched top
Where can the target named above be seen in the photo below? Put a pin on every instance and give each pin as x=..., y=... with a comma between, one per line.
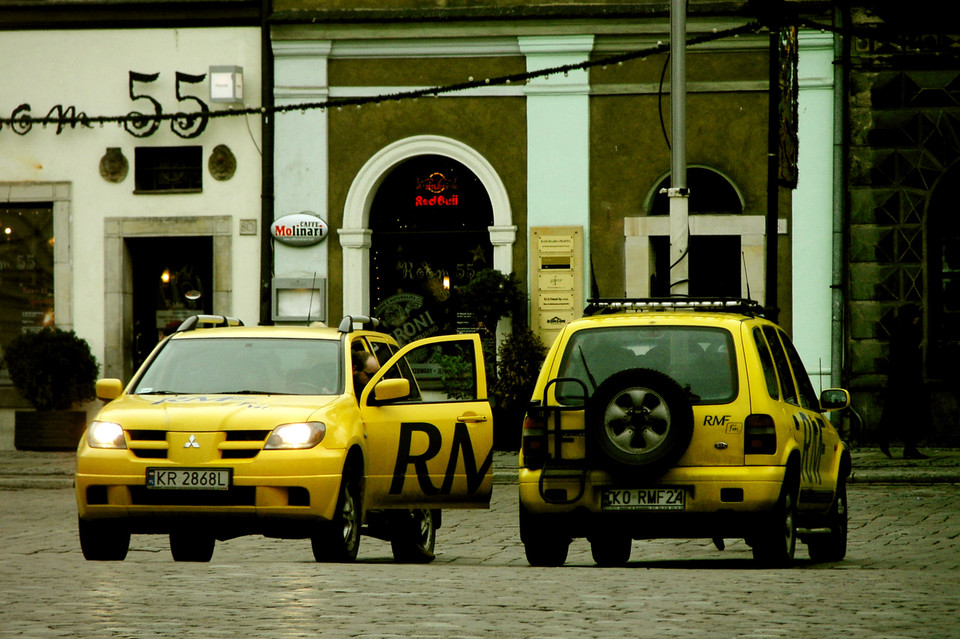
x=711, y=193
x=725, y=247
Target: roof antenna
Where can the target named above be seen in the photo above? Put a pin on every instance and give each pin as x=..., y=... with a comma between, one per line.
x=313, y=287
x=746, y=273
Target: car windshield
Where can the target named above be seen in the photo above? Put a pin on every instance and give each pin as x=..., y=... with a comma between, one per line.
x=232, y=365
x=700, y=359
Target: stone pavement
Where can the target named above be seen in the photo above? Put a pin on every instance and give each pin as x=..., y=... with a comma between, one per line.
x=27, y=469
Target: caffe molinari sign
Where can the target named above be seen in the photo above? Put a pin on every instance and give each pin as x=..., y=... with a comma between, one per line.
x=299, y=229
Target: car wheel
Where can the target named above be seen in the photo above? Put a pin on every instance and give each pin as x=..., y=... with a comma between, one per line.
x=833, y=545
x=543, y=544
x=414, y=537
x=339, y=539
x=640, y=422
x=611, y=550
x=777, y=542
x=185, y=546
x=101, y=541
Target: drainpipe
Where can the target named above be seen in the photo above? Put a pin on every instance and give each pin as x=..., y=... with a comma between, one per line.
x=266, y=164
x=771, y=221
x=841, y=61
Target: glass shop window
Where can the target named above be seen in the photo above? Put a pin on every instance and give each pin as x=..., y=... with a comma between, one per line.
x=26, y=271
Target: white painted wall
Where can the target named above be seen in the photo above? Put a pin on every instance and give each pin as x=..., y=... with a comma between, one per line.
x=88, y=70
x=813, y=208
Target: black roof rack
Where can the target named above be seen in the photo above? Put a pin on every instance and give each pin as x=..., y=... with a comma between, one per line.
x=346, y=324
x=207, y=321
x=742, y=306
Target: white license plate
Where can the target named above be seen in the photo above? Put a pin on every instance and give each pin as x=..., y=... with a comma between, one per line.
x=189, y=478
x=664, y=498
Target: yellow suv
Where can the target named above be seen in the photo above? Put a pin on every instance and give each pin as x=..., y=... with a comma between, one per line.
x=680, y=418
x=229, y=430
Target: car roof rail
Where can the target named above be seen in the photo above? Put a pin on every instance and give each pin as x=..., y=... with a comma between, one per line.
x=741, y=306
x=207, y=321
x=365, y=321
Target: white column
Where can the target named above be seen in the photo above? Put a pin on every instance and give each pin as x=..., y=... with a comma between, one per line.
x=300, y=168
x=558, y=136
x=813, y=208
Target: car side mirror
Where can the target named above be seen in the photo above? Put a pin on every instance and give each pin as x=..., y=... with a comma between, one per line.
x=109, y=388
x=388, y=390
x=834, y=399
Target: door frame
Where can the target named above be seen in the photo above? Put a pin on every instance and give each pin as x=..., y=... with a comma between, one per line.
x=118, y=276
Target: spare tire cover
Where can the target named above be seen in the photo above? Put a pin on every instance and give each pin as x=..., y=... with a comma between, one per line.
x=640, y=423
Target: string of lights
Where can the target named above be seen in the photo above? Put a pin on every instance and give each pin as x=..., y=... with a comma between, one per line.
x=71, y=118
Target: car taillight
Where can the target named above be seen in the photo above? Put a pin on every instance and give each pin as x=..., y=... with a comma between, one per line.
x=759, y=435
x=534, y=442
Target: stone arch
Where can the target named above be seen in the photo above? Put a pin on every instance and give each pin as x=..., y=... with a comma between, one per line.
x=355, y=234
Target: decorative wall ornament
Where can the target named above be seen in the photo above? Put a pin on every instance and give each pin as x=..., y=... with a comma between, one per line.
x=114, y=165
x=222, y=163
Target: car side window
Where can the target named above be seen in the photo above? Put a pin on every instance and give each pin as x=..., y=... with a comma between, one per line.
x=808, y=396
x=782, y=365
x=438, y=372
x=766, y=362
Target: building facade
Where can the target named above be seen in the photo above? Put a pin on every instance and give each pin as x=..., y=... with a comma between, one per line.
x=117, y=226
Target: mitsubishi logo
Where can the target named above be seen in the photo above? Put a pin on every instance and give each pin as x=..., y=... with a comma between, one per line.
x=192, y=442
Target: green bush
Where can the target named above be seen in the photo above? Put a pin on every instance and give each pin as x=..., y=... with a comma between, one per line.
x=518, y=364
x=53, y=369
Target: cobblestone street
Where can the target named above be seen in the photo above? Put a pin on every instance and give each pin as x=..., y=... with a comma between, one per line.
x=901, y=578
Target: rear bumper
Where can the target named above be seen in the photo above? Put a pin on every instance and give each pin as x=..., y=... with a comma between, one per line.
x=708, y=490
x=724, y=502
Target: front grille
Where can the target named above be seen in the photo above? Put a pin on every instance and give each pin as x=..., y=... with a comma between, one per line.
x=236, y=496
x=237, y=444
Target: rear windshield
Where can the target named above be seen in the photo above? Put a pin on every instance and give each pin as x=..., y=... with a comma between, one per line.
x=700, y=359
x=250, y=366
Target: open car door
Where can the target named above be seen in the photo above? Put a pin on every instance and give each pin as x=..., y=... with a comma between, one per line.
x=429, y=427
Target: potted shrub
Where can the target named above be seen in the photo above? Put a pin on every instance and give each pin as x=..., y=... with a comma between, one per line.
x=518, y=363
x=54, y=370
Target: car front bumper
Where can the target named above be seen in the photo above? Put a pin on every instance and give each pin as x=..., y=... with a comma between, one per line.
x=281, y=493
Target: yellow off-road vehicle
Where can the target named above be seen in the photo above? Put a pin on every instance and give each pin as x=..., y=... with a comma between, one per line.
x=229, y=430
x=686, y=418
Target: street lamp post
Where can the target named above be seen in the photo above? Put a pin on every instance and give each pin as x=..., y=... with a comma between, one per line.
x=678, y=192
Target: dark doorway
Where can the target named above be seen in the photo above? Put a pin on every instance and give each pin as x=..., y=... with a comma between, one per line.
x=172, y=280
x=430, y=221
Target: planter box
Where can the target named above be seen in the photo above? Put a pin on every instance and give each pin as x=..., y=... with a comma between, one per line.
x=48, y=430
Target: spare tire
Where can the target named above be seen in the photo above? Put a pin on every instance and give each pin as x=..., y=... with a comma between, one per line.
x=640, y=423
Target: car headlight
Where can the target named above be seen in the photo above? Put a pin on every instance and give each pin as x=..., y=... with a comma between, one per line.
x=105, y=435
x=296, y=436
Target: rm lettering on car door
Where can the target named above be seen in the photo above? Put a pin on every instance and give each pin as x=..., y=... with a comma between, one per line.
x=812, y=452
x=461, y=444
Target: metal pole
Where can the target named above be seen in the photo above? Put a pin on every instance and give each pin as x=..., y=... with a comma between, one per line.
x=773, y=174
x=678, y=192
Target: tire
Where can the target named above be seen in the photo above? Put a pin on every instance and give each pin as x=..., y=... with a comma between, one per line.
x=414, y=537
x=640, y=423
x=777, y=542
x=103, y=541
x=610, y=551
x=833, y=546
x=543, y=544
x=185, y=546
x=339, y=539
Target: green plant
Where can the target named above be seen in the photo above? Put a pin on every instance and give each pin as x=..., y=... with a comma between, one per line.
x=490, y=296
x=456, y=375
x=53, y=369
x=518, y=363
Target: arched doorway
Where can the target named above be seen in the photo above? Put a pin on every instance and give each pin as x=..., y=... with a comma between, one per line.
x=356, y=236
x=429, y=223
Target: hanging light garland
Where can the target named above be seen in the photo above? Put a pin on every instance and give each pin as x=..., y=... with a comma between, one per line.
x=21, y=122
